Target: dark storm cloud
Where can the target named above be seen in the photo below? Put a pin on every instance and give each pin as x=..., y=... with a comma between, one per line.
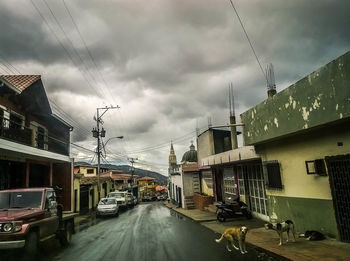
x=168, y=63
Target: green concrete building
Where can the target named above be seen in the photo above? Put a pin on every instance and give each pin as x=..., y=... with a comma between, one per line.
x=302, y=135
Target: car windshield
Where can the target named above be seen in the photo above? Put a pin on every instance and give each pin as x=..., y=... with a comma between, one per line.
x=116, y=195
x=20, y=199
x=107, y=201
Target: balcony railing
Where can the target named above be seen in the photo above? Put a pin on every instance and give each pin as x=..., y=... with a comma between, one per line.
x=16, y=132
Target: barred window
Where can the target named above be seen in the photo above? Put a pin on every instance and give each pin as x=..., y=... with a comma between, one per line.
x=273, y=175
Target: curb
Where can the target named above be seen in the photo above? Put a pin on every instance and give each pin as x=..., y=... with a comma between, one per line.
x=270, y=253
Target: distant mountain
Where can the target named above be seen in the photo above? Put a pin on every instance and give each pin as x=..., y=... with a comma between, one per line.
x=162, y=180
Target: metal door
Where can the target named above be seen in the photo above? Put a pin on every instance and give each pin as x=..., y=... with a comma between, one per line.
x=339, y=179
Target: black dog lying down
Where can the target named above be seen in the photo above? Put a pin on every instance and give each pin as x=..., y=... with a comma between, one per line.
x=285, y=226
x=313, y=235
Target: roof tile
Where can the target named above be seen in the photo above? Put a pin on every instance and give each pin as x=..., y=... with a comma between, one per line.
x=20, y=82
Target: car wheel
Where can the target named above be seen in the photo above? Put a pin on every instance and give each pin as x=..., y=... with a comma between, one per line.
x=31, y=245
x=66, y=235
x=220, y=217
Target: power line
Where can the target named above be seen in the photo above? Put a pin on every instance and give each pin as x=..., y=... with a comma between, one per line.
x=87, y=49
x=14, y=68
x=62, y=45
x=250, y=43
x=72, y=45
x=78, y=146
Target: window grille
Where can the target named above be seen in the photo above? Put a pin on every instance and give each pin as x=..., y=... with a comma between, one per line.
x=273, y=175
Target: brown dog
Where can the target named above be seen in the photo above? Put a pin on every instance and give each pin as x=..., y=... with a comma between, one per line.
x=235, y=234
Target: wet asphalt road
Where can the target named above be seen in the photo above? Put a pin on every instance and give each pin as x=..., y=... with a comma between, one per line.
x=148, y=232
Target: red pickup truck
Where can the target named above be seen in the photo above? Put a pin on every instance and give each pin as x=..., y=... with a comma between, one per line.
x=28, y=216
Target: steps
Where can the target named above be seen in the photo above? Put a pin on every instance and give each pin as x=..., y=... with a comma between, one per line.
x=189, y=204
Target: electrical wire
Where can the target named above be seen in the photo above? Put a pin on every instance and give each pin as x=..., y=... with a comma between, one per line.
x=64, y=48
x=250, y=43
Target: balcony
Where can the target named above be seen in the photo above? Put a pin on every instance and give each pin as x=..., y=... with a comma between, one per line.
x=16, y=132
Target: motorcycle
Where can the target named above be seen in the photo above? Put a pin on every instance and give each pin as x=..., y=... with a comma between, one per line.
x=234, y=209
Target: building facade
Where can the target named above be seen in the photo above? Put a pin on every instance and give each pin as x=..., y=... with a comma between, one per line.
x=34, y=142
x=302, y=135
x=86, y=187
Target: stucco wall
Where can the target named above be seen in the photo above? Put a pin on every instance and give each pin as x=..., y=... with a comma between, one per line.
x=292, y=153
x=319, y=98
x=306, y=199
x=177, y=181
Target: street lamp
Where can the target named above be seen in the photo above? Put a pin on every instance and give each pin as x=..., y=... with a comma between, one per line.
x=104, y=144
x=118, y=137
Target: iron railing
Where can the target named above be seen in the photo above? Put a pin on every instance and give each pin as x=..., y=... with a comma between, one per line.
x=14, y=131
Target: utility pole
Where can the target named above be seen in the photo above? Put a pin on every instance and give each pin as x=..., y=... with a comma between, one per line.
x=132, y=161
x=97, y=133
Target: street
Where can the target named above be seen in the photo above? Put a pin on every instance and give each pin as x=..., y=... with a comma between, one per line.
x=150, y=231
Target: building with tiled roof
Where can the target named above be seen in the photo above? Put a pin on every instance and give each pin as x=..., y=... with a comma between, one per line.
x=19, y=82
x=34, y=143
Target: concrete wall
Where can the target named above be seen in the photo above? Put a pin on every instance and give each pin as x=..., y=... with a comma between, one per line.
x=319, y=98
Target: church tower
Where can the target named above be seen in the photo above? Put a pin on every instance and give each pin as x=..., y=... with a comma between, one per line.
x=172, y=158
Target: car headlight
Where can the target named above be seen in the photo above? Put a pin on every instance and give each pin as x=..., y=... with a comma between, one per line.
x=7, y=227
x=18, y=226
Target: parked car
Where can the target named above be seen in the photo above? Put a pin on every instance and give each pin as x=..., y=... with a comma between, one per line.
x=130, y=200
x=32, y=215
x=162, y=197
x=146, y=198
x=120, y=196
x=108, y=207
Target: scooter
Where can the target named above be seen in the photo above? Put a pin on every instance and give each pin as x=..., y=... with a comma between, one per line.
x=234, y=209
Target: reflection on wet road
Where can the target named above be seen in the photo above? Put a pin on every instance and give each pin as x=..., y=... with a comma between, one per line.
x=147, y=232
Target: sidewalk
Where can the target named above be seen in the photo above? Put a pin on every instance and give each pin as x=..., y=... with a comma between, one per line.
x=268, y=240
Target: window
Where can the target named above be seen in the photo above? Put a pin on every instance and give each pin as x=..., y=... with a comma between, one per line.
x=207, y=177
x=16, y=121
x=40, y=137
x=316, y=167
x=90, y=171
x=273, y=175
x=240, y=180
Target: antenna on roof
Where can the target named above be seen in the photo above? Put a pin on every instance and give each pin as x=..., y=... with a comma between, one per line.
x=270, y=80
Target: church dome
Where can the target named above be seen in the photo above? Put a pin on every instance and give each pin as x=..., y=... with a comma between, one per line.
x=191, y=155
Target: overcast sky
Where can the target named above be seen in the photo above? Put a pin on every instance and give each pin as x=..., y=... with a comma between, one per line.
x=166, y=63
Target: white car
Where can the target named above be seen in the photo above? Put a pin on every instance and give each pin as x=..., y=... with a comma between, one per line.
x=120, y=196
x=107, y=207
